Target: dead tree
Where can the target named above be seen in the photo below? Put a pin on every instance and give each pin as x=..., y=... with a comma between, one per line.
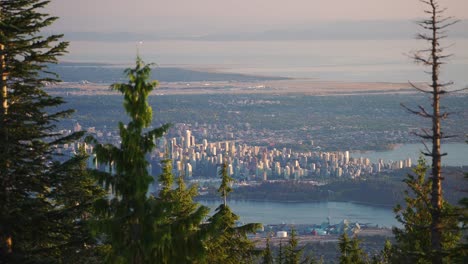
x=434, y=56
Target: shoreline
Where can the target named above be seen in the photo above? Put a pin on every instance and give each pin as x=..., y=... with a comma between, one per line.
x=212, y=199
x=221, y=79
x=270, y=87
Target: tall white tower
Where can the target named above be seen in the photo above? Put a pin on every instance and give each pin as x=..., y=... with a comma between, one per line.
x=188, y=138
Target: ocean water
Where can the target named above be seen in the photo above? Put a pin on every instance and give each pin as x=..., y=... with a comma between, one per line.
x=308, y=213
x=457, y=154
x=338, y=60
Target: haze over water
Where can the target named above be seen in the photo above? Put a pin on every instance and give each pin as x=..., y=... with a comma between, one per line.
x=360, y=40
x=344, y=60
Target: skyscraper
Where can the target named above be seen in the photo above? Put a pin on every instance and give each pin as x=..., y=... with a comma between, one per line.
x=188, y=139
x=188, y=170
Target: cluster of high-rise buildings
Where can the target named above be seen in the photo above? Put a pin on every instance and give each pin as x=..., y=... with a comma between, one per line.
x=202, y=158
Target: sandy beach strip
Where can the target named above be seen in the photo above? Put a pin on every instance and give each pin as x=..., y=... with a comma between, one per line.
x=292, y=86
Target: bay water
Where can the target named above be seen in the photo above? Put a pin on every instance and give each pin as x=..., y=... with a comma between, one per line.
x=457, y=154
x=334, y=60
x=308, y=213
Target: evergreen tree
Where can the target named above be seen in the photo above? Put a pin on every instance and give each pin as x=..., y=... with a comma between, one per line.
x=181, y=224
x=345, y=249
x=385, y=255
x=351, y=252
x=78, y=194
x=228, y=243
x=413, y=241
x=267, y=254
x=460, y=252
x=131, y=217
x=280, y=258
x=293, y=254
x=433, y=57
x=34, y=219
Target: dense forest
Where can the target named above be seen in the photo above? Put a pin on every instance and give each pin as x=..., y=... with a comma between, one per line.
x=384, y=190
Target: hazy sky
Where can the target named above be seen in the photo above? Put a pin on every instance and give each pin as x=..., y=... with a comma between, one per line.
x=215, y=16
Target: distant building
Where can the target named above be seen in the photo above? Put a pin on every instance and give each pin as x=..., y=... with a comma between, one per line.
x=282, y=234
x=188, y=170
x=77, y=127
x=188, y=139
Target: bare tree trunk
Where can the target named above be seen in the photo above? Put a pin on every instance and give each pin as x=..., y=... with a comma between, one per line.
x=3, y=75
x=434, y=57
x=3, y=80
x=6, y=241
x=436, y=196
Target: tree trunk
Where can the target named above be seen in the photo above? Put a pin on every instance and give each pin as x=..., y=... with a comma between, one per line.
x=3, y=74
x=6, y=241
x=436, y=196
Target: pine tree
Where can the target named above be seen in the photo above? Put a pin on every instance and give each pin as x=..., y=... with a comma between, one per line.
x=78, y=194
x=345, y=249
x=182, y=220
x=351, y=252
x=460, y=252
x=228, y=243
x=358, y=255
x=293, y=254
x=413, y=241
x=433, y=57
x=385, y=255
x=267, y=254
x=280, y=257
x=130, y=215
x=32, y=218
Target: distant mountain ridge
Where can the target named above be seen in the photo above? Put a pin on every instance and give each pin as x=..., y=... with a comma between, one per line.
x=341, y=30
x=108, y=73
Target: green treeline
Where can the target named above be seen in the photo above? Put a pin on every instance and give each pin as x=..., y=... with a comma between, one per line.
x=376, y=190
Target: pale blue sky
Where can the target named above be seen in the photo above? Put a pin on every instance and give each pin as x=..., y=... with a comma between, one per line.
x=215, y=16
